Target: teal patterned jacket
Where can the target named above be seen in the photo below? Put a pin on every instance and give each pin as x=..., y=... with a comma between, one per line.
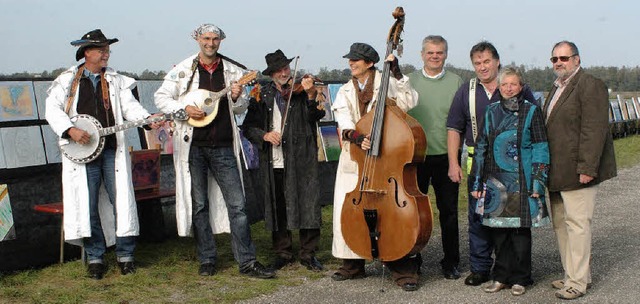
x=512, y=162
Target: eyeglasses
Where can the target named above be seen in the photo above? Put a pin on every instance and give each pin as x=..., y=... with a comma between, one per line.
x=554, y=59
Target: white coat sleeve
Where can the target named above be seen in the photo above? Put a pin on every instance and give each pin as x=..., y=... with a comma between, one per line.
x=406, y=96
x=341, y=111
x=131, y=107
x=166, y=97
x=54, y=108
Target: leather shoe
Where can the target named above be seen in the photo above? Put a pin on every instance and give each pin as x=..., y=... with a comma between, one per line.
x=96, y=271
x=340, y=276
x=257, y=270
x=207, y=269
x=409, y=286
x=475, y=279
x=280, y=262
x=312, y=264
x=451, y=273
x=127, y=267
x=518, y=290
x=495, y=286
x=559, y=284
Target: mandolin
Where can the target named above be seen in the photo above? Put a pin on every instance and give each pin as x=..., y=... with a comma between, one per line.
x=209, y=101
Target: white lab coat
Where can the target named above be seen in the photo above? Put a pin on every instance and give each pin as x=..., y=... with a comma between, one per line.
x=347, y=114
x=170, y=98
x=75, y=191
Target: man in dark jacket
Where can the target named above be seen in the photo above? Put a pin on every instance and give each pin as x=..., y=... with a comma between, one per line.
x=582, y=156
x=281, y=120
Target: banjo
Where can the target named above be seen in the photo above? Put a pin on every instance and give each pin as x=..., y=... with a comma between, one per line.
x=83, y=154
x=208, y=101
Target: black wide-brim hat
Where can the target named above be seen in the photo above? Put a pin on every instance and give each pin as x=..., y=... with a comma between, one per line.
x=362, y=51
x=94, y=38
x=275, y=61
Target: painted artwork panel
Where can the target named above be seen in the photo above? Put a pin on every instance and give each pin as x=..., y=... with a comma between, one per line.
x=146, y=89
x=322, y=157
x=132, y=138
x=330, y=142
x=15, y=141
x=324, y=98
x=615, y=107
x=7, y=229
x=145, y=169
x=17, y=101
x=51, y=148
x=333, y=90
x=40, y=89
x=631, y=110
x=3, y=162
x=162, y=137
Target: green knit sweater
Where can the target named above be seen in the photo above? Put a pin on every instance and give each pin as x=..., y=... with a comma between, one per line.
x=435, y=97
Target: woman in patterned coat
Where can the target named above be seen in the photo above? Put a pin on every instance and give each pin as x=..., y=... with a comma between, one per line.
x=510, y=174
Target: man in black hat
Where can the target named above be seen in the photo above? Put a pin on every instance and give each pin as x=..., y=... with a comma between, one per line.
x=209, y=186
x=354, y=100
x=94, y=89
x=283, y=125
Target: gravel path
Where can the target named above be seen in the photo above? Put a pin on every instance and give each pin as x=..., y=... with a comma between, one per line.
x=615, y=264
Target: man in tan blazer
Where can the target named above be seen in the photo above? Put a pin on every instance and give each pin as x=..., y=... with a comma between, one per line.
x=582, y=156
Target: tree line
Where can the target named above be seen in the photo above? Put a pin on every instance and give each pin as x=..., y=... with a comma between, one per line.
x=618, y=79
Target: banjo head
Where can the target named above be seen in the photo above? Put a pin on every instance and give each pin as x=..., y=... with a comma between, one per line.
x=84, y=153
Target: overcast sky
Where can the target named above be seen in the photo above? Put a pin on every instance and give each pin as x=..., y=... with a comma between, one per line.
x=155, y=35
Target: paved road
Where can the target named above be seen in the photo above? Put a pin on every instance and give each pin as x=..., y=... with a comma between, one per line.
x=615, y=264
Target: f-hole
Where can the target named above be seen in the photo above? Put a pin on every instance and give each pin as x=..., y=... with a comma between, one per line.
x=394, y=182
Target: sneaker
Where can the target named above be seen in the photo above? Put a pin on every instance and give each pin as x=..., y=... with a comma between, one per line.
x=207, y=269
x=96, y=271
x=568, y=293
x=281, y=262
x=518, y=290
x=257, y=270
x=127, y=267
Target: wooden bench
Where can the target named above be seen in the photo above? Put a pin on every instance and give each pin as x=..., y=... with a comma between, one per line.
x=58, y=208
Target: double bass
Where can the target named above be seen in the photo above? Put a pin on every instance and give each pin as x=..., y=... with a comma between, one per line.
x=386, y=216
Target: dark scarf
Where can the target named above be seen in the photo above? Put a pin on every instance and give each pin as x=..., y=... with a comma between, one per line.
x=365, y=96
x=512, y=104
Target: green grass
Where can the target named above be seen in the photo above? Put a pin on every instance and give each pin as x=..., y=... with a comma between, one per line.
x=167, y=271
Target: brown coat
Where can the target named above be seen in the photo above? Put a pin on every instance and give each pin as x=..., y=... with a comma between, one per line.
x=578, y=134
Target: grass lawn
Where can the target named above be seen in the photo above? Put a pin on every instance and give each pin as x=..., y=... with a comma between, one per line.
x=167, y=271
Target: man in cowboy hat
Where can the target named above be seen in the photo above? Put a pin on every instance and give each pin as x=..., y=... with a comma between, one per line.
x=283, y=125
x=207, y=159
x=93, y=217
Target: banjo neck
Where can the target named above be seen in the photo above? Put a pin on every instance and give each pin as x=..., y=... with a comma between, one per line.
x=132, y=124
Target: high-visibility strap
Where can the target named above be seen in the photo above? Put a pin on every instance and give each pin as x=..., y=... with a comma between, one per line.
x=472, y=108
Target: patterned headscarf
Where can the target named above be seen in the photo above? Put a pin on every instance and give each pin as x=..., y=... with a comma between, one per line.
x=208, y=28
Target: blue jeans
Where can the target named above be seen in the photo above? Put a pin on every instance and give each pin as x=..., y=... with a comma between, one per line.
x=99, y=170
x=480, y=244
x=221, y=161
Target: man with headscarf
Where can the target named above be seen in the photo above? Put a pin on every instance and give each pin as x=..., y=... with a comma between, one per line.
x=97, y=217
x=209, y=186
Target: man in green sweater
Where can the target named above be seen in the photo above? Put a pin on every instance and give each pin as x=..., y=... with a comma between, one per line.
x=436, y=88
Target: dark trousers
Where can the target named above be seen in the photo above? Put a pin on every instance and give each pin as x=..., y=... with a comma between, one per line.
x=480, y=242
x=513, y=255
x=281, y=238
x=434, y=171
